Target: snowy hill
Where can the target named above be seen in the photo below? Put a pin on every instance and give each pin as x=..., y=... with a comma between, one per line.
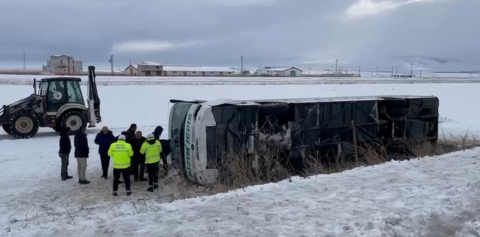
x=427, y=64
x=436, y=64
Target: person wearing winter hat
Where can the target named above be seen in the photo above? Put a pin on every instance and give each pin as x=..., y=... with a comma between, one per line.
x=121, y=153
x=152, y=149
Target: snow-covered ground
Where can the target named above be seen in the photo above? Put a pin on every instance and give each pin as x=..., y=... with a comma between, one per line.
x=305, y=80
x=428, y=197
x=393, y=198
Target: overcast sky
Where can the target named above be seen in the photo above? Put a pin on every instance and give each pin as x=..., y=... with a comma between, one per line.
x=217, y=32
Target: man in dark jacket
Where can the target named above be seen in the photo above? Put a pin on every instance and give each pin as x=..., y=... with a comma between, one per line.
x=138, y=160
x=64, y=152
x=104, y=139
x=81, y=153
x=130, y=133
x=166, y=149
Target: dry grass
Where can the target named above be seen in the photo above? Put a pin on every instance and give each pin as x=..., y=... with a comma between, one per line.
x=238, y=168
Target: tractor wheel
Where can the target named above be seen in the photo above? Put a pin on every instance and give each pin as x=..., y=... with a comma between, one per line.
x=6, y=128
x=58, y=125
x=75, y=120
x=23, y=125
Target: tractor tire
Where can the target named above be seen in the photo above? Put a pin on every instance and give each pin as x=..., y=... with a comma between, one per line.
x=6, y=128
x=23, y=124
x=75, y=120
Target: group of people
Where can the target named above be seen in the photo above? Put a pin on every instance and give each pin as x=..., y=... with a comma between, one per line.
x=131, y=154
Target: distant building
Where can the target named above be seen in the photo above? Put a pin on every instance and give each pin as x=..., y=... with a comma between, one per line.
x=131, y=70
x=156, y=69
x=63, y=64
x=279, y=71
x=202, y=71
x=149, y=69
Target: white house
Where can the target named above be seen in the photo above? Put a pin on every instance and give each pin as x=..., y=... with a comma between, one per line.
x=203, y=71
x=63, y=64
x=131, y=70
x=279, y=71
x=149, y=69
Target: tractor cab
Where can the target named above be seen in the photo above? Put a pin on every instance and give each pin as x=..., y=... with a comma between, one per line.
x=59, y=91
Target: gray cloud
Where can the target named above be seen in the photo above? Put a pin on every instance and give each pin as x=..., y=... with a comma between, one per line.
x=216, y=32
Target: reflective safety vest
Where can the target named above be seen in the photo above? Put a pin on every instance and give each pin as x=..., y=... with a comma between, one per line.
x=120, y=152
x=151, y=151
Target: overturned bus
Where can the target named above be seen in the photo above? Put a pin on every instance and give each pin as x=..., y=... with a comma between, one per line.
x=203, y=132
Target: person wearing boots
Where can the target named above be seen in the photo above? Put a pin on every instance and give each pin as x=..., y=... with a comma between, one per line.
x=152, y=149
x=104, y=139
x=121, y=153
x=138, y=160
x=64, y=152
x=81, y=153
x=116, y=140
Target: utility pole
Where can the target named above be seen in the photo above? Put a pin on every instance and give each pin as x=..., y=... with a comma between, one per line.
x=241, y=59
x=377, y=70
x=310, y=70
x=111, y=62
x=24, y=62
x=336, y=66
x=359, y=70
x=411, y=69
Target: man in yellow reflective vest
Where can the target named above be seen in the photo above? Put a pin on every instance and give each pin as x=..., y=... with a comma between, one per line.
x=152, y=148
x=121, y=152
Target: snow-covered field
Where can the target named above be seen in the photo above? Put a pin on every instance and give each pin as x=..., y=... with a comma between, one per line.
x=305, y=80
x=395, y=199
